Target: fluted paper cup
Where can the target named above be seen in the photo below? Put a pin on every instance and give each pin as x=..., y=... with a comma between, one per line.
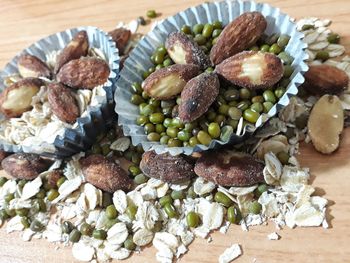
x=225, y=11
x=82, y=134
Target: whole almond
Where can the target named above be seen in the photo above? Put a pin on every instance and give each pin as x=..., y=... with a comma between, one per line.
x=32, y=67
x=326, y=123
x=325, y=79
x=228, y=168
x=165, y=167
x=197, y=96
x=251, y=69
x=183, y=50
x=63, y=103
x=17, y=98
x=24, y=165
x=121, y=37
x=166, y=83
x=84, y=73
x=104, y=173
x=240, y=34
x=76, y=48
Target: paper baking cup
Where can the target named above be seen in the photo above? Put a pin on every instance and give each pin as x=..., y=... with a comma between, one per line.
x=95, y=119
x=225, y=11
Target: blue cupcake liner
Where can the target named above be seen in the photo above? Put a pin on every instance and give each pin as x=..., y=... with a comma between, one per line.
x=225, y=11
x=95, y=119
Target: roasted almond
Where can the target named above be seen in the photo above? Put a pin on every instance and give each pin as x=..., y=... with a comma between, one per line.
x=197, y=96
x=166, y=83
x=228, y=168
x=84, y=73
x=76, y=48
x=251, y=69
x=325, y=79
x=104, y=173
x=240, y=34
x=63, y=103
x=32, y=67
x=24, y=165
x=17, y=98
x=184, y=50
x=121, y=37
x=53, y=177
x=326, y=123
x=165, y=167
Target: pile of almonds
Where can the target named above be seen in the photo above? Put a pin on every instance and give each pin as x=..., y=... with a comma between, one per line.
x=106, y=213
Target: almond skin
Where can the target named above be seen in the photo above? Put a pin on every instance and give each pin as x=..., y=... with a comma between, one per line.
x=104, y=173
x=62, y=102
x=24, y=165
x=197, y=96
x=76, y=48
x=166, y=83
x=240, y=34
x=84, y=73
x=121, y=37
x=325, y=79
x=17, y=98
x=228, y=168
x=183, y=50
x=251, y=69
x=32, y=67
x=165, y=167
x=326, y=123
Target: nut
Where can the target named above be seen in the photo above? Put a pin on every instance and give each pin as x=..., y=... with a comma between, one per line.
x=24, y=165
x=166, y=83
x=240, y=34
x=3, y=155
x=32, y=67
x=17, y=98
x=76, y=48
x=325, y=79
x=121, y=37
x=228, y=168
x=326, y=123
x=104, y=174
x=166, y=167
x=197, y=96
x=251, y=69
x=62, y=102
x=84, y=73
x=53, y=176
x=184, y=50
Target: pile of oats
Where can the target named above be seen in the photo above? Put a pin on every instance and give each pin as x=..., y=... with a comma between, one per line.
x=289, y=200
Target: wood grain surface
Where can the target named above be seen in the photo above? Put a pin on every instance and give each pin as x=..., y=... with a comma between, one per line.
x=23, y=22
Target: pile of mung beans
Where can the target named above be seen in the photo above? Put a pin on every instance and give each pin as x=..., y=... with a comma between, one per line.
x=159, y=118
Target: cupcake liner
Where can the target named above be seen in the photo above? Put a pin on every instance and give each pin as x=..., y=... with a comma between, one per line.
x=95, y=118
x=225, y=11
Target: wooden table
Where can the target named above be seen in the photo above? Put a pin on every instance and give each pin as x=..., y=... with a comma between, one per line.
x=23, y=22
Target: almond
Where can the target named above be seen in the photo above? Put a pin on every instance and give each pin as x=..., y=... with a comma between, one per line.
x=24, y=165
x=228, y=168
x=165, y=167
x=197, y=96
x=104, y=173
x=53, y=176
x=84, y=73
x=326, y=123
x=3, y=155
x=166, y=83
x=121, y=37
x=325, y=79
x=184, y=50
x=76, y=48
x=240, y=34
x=251, y=69
x=32, y=67
x=62, y=102
x=17, y=98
